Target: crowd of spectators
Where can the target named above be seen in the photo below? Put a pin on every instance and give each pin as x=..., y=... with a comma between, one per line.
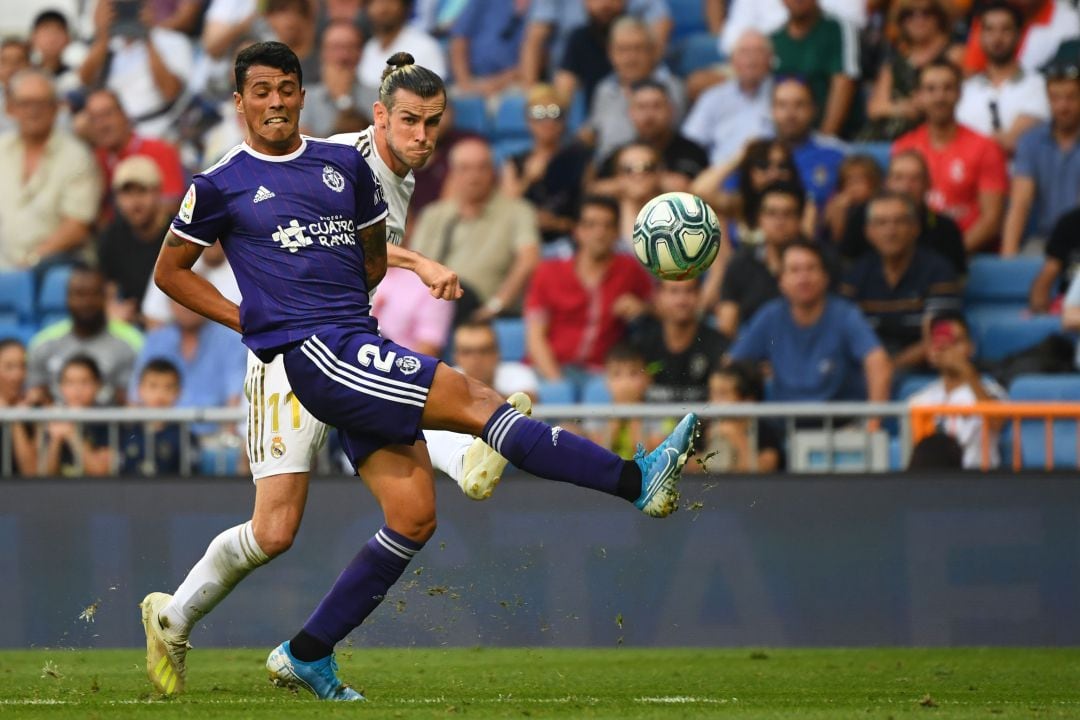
x=859, y=156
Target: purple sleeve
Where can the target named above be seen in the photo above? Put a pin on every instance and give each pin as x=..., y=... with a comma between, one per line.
x=203, y=217
x=370, y=203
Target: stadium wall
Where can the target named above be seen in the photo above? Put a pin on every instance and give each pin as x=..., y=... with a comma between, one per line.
x=784, y=561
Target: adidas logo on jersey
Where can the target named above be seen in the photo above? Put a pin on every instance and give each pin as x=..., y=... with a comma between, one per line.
x=262, y=194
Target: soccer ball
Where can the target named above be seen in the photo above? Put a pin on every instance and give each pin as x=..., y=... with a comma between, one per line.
x=676, y=236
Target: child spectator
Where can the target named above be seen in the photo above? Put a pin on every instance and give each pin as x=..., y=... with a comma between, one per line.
x=627, y=381
x=859, y=180
x=77, y=448
x=155, y=448
x=729, y=446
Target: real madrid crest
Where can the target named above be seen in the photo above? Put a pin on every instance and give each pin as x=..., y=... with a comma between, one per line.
x=277, y=448
x=332, y=179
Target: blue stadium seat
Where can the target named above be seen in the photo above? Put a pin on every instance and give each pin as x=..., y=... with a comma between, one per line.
x=1004, y=338
x=558, y=392
x=1053, y=388
x=880, y=151
x=912, y=384
x=16, y=297
x=52, y=300
x=1000, y=281
x=18, y=331
x=511, y=335
x=696, y=52
x=470, y=113
x=510, y=122
x=688, y=18
x=508, y=147
x=596, y=392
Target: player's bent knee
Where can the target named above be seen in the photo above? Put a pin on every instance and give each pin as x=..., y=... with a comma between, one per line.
x=274, y=538
x=418, y=528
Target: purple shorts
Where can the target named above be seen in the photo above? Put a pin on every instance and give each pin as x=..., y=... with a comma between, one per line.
x=371, y=389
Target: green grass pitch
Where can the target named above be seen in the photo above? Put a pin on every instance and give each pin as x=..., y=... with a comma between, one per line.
x=566, y=683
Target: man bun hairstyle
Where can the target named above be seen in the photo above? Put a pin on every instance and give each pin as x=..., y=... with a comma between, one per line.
x=273, y=54
x=402, y=72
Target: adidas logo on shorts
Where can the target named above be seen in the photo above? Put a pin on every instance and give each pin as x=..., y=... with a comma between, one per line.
x=262, y=194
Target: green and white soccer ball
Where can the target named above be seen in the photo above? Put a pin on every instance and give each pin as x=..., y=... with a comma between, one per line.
x=676, y=236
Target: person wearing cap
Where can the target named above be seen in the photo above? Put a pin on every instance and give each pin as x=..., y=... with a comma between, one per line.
x=128, y=247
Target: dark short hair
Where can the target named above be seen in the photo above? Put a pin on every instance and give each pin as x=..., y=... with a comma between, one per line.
x=272, y=54
x=12, y=41
x=9, y=342
x=940, y=64
x=788, y=188
x=624, y=351
x=748, y=381
x=1005, y=7
x=912, y=154
x=160, y=366
x=651, y=84
x=82, y=360
x=807, y=245
x=50, y=16
x=936, y=452
x=798, y=80
x=402, y=73
x=604, y=202
x=890, y=196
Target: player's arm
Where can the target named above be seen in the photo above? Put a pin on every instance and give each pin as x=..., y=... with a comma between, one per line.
x=373, y=241
x=442, y=282
x=173, y=274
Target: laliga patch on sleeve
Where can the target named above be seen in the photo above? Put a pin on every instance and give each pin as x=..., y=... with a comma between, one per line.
x=187, y=208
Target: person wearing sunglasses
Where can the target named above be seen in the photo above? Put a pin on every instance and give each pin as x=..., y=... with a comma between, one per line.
x=920, y=33
x=549, y=174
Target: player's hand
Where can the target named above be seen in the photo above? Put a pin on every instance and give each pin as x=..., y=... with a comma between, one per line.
x=442, y=282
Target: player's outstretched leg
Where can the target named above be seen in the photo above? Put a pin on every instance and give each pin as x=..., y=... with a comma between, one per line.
x=650, y=481
x=401, y=479
x=230, y=557
x=470, y=461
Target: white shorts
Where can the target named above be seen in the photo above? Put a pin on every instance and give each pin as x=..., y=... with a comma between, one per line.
x=282, y=436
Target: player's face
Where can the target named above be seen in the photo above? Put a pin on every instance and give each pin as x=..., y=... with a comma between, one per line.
x=411, y=128
x=271, y=104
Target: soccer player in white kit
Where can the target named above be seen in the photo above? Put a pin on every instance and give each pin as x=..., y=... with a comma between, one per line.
x=283, y=437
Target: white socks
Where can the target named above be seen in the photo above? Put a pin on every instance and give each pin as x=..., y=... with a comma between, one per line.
x=228, y=560
x=447, y=451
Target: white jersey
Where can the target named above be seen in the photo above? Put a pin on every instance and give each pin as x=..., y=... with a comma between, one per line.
x=396, y=189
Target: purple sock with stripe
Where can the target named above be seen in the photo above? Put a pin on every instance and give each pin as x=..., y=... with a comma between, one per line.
x=557, y=454
x=361, y=586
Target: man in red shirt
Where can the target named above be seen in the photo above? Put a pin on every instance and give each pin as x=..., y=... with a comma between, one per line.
x=968, y=177
x=577, y=309
x=113, y=139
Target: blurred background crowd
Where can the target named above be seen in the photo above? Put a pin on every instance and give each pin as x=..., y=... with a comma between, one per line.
x=898, y=183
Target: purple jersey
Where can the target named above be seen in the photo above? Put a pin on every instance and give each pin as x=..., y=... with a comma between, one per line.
x=288, y=225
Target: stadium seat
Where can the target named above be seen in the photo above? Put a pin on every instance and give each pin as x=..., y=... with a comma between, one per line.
x=912, y=384
x=510, y=122
x=1000, y=339
x=1052, y=388
x=596, y=392
x=508, y=147
x=470, y=113
x=688, y=18
x=511, y=336
x=696, y=52
x=18, y=331
x=880, y=151
x=578, y=112
x=52, y=300
x=996, y=281
x=16, y=297
x=558, y=392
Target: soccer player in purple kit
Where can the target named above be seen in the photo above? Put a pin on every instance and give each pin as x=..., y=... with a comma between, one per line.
x=305, y=265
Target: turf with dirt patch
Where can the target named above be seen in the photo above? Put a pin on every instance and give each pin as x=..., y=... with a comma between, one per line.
x=566, y=683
